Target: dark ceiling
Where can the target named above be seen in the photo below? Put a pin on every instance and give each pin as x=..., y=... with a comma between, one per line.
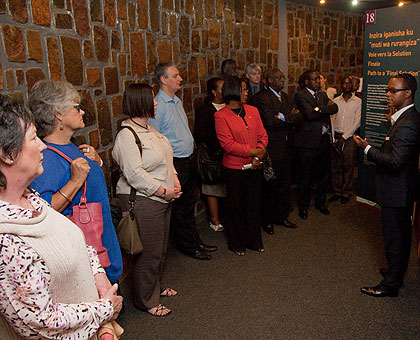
x=346, y=6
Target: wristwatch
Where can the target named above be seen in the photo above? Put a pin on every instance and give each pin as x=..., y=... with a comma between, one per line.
x=164, y=193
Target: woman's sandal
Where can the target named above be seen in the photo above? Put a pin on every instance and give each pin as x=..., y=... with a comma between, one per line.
x=167, y=292
x=239, y=252
x=159, y=311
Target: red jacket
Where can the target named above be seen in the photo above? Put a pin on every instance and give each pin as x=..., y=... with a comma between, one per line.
x=235, y=138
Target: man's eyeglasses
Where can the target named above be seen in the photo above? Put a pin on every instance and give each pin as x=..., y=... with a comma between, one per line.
x=394, y=91
x=244, y=91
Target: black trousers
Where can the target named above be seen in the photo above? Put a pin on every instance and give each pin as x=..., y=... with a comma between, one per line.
x=243, y=225
x=276, y=194
x=183, y=225
x=396, y=231
x=316, y=164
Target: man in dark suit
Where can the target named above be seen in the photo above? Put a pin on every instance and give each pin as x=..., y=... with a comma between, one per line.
x=313, y=140
x=279, y=114
x=254, y=85
x=396, y=181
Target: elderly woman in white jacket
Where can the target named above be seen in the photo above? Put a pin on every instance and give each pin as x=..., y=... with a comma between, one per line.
x=51, y=284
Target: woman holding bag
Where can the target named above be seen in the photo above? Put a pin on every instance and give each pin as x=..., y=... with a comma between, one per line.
x=57, y=113
x=51, y=284
x=152, y=174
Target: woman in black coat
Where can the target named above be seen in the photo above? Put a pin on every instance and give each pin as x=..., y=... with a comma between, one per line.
x=205, y=133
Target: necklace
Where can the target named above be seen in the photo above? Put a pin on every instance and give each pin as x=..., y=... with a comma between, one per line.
x=144, y=127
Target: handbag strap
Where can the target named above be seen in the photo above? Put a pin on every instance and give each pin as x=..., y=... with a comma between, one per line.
x=68, y=159
x=132, y=198
x=265, y=146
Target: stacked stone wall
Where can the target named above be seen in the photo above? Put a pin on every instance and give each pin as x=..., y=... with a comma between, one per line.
x=101, y=46
x=328, y=41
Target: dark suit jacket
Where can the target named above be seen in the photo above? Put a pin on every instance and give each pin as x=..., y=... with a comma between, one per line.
x=204, y=129
x=309, y=133
x=396, y=162
x=279, y=132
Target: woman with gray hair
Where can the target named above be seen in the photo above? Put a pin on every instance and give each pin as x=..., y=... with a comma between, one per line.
x=57, y=113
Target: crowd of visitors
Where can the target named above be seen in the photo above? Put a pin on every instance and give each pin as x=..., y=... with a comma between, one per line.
x=249, y=127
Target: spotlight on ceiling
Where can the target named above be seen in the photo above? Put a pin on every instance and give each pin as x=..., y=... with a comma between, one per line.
x=354, y=2
x=401, y=3
x=322, y=2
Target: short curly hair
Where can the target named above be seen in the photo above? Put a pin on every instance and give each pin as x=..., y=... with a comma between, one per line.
x=48, y=97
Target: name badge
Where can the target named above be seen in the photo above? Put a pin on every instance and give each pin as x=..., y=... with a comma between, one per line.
x=387, y=138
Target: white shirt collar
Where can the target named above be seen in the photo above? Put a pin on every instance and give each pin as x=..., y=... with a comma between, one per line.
x=397, y=114
x=311, y=91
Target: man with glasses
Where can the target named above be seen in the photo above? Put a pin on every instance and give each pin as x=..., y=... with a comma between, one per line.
x=279, y=114
x=396, y=181
x=313, y=140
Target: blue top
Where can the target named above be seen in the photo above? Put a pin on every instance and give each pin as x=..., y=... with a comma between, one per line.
x=171, y=121
x=57, y=173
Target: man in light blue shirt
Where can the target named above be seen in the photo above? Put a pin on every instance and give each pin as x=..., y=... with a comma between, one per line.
x=171, y=121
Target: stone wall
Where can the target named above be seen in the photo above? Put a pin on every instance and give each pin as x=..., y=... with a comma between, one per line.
x=100, y=46
x=328, y=41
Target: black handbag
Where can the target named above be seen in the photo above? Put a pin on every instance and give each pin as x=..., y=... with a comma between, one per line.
x=209, y=164
x=267, y=165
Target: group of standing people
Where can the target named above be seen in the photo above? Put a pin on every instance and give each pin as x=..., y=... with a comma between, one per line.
x=40, y=181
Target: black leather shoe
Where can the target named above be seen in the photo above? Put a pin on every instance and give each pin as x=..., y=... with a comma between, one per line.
x=269, y=229
x=379, y=292
x=303, y=213
x=334, y=198
x=345, y=200
x=199, y=255
x=206, y=247
x=286, y=223
x=322, y=209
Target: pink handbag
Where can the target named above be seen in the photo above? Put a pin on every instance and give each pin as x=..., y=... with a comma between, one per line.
x=88, y=217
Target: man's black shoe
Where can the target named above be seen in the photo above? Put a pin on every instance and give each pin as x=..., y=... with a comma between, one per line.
x=322, y=209
x=303, y=213
x=334, y=198
x=269, y=229
x=345, y=200
x=206, y=247
x=286, y=223
x=379, y=292
x=199, y=255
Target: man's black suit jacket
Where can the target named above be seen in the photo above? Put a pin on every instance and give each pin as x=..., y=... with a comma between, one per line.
x=309, y=133
x=397, y=179
x=278, y=131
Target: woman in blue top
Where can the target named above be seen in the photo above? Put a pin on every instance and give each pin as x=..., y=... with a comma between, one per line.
x=57, y=113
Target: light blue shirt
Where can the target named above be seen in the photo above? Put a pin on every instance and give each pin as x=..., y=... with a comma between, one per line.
x=278, y=95
x=171, y=121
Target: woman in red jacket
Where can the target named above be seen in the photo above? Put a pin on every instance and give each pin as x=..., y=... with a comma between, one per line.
x=240, y=132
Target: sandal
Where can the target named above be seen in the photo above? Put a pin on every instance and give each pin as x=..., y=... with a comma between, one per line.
x=239, y=252
x=159, y=310
x=167, y=292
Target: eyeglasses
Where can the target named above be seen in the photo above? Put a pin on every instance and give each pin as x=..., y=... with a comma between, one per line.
x=244, y=91
x=394, y=91
x=77, y=106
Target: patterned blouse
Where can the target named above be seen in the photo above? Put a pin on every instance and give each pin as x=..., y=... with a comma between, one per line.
x=25, y=300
